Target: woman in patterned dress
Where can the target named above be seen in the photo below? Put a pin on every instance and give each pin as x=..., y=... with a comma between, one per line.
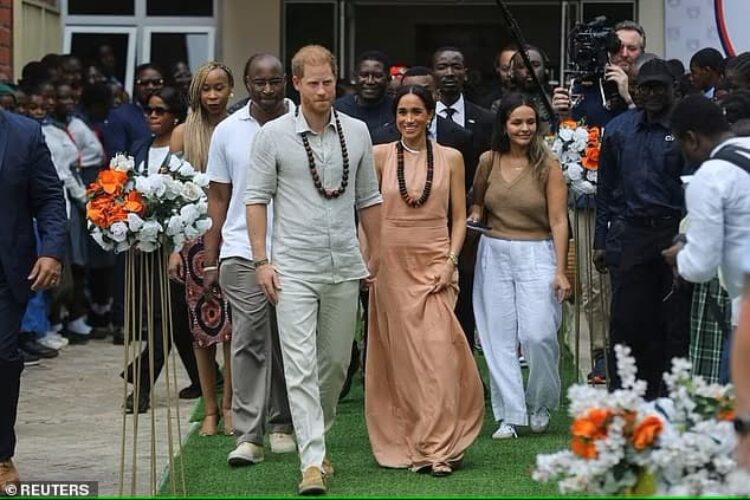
x=209, y=317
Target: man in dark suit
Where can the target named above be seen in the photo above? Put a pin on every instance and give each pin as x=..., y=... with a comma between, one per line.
x=450, y=72
x=29, y=189
x=444, y=131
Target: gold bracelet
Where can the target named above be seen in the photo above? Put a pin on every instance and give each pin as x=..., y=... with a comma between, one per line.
x=453, y=258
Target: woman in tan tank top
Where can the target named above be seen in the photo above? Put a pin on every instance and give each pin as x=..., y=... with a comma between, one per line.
x=520, y=280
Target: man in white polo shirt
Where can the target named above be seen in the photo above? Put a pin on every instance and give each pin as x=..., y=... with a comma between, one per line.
x=259, y=390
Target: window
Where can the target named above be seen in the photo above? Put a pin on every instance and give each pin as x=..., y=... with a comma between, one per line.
x=86, y=42
x=166, y=46
x=182, y=8
x=101, y=7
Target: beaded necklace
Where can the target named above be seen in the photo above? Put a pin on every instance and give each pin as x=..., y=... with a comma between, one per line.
x=414, y=203
x=327, y=193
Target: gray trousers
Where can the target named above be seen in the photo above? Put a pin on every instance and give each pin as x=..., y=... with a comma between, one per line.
x=316, y=330
x=258, y=386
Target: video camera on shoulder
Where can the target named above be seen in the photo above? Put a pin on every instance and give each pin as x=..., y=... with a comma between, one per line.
x=589, y=47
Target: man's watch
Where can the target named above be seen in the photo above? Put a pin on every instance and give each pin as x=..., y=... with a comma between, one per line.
x=742, y=424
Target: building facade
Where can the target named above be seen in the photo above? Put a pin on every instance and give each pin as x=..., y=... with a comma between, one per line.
x=193, y=31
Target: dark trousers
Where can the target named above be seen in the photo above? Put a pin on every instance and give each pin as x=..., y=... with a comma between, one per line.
x=182, y=339
x=11, y=366
x=465, y=305
x=649, y=314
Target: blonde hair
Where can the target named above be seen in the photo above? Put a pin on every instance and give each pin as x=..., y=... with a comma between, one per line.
x=314, y=55
x=198, y=129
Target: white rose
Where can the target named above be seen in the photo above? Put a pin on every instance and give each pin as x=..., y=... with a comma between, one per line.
x=174, y=188
x=581, y=134
x=178, y=241
x=570, y=157
x=122, y=162
x=158, y=182
x=204, y=225
x=191, y=191
x=98, y=237
x=135, y=223
x=574, y=171
x=585, y=187
x=123, y=246
x=150, y=231
x=202, y=205
x=189, y=214
x=147, y=246
x=579, y=144
x=592, y=176
x=557, y=147
x=187, y=170
x=191, y=233
x=174, y=163
x=566, y=134
x=144, y=185
x=119, y=231
x=174, y=226
x=201, y=180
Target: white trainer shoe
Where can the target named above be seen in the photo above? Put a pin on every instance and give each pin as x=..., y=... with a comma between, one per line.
x=505, y=431
x=539, y=420
x=245, y=454
x=282, y=443
x=50, y=342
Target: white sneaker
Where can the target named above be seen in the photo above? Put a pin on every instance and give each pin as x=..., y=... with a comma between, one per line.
x=539, y=420
x=245, y=454
x=282, y=443
x=59, y=338
x=79, y=326
x=505, y=431
x=50, y=342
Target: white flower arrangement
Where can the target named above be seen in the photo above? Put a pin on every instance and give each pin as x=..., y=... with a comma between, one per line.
x=679, y=445
x=127, y=209
x=577, y=147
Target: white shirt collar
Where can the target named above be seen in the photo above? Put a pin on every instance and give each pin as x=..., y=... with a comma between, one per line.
x=459, y=117
x=244, y=112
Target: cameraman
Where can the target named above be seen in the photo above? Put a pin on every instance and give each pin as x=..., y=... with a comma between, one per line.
x=620, y=70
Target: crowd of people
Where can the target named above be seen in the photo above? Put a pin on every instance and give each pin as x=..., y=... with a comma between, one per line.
x=448, y=221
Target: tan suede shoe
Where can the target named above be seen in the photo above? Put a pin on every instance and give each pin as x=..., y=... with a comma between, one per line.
x=313, y=482
x=8, y=477
x=327, y=466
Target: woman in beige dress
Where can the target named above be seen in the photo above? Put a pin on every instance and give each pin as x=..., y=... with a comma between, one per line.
x=423, y=401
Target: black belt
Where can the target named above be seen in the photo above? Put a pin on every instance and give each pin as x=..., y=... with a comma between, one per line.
x=658, y=221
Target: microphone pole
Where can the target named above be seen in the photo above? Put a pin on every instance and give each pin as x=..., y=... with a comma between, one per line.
x=515, y=32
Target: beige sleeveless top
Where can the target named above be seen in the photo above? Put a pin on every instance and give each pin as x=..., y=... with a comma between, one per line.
x=516, y=209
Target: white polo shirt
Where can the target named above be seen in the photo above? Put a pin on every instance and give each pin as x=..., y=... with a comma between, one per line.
x=229, y=163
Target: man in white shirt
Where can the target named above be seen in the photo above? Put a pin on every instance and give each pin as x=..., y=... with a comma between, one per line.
x=259, y=390
x=717, y=197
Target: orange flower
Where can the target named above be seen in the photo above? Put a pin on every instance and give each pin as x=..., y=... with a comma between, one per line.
x=647, y=431
x=586, y=429
x=112, y=181
x=569, y=122
x=727, y=414
x=590, y=158
x=98, y=210
x=118, y=213
x=594, y=135
x=134, y=203
x=584, y=448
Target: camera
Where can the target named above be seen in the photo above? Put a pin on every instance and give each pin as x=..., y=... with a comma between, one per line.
x=589, y=47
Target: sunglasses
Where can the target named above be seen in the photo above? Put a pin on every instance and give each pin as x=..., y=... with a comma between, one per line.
x=158, y=110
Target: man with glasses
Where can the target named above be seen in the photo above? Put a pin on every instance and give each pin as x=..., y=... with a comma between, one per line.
x=257, y=368
x=370, y=102
x=639, y=181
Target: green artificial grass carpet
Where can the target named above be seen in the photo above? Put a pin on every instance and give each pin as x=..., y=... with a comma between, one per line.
x=491, y=467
